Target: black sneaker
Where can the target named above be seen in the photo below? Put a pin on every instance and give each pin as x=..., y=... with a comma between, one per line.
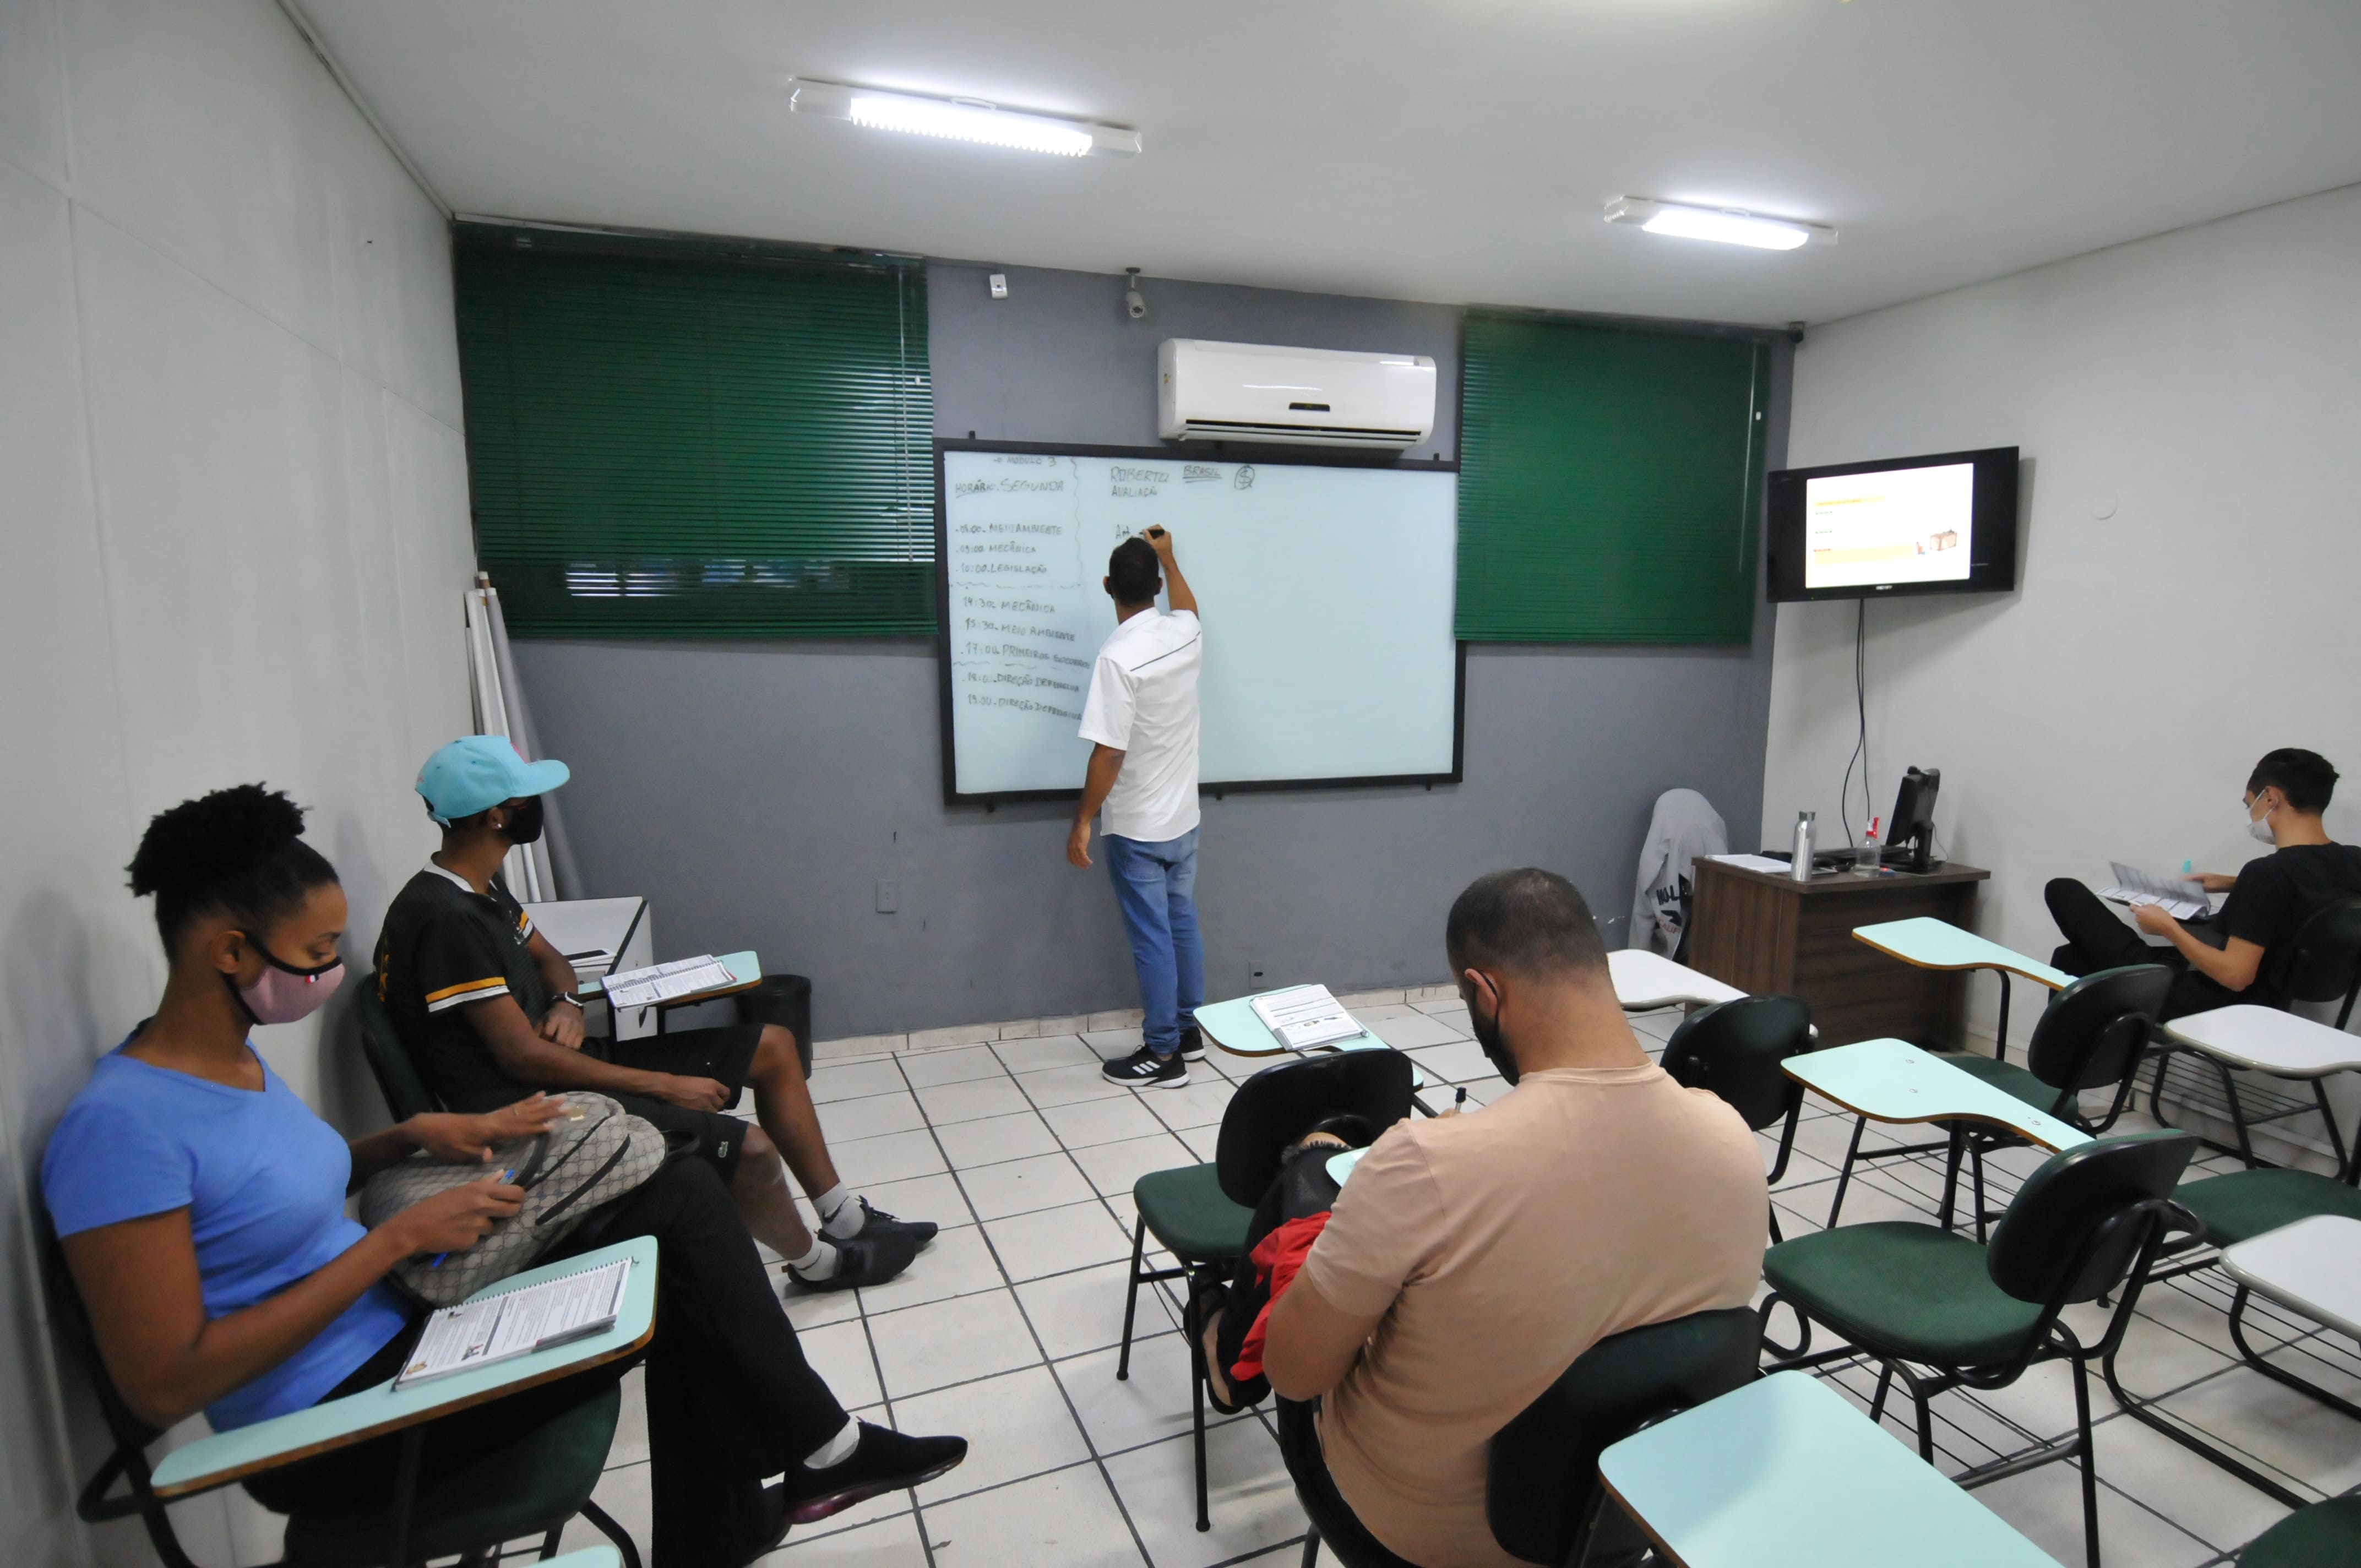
x=1144, y=1070
x=1192, y=1044
x=878, y=1223
x=882, y=1462
x=863, y=1260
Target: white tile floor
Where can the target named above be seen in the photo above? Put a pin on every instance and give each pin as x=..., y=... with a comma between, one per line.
x=1005, y=1331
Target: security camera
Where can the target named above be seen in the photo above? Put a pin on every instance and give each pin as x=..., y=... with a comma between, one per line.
x=1131, y=299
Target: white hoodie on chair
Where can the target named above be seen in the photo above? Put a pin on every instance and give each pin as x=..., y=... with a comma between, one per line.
x=1684, y=826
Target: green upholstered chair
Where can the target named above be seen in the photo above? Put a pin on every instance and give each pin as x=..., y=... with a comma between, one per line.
x=2235, y=1208
x=1940, y=1311
x=1199, y=1213
x=2319, y=1535
x=532, y=1486
x=2093, y=1033
x=406, y=1094
x=1736, y=1050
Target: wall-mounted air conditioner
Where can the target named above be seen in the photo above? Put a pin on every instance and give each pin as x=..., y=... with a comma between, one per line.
x=1307, y=397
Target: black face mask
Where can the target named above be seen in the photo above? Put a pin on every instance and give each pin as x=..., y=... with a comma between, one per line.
x=1488, y=1036
x=524, y=821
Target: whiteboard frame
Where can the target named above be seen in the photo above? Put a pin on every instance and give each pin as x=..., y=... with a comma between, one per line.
x=1220, y=451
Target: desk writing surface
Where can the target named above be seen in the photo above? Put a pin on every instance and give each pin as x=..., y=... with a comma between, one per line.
x=1894, y=1080
x=2269, y=1040
x=1644, y=979
x=1784, y=1473
x=2312, y=1266
x=1937, y=944
x=243, y=1451
x=1233, y=1026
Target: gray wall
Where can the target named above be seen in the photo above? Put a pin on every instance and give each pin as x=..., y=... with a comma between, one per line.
x=784, y=781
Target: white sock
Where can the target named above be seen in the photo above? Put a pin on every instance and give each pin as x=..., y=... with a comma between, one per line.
x=836, y=1450
x=818, y=1264
x=841, y=1216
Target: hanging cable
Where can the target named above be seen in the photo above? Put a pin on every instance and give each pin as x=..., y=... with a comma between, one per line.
x=1860, y=718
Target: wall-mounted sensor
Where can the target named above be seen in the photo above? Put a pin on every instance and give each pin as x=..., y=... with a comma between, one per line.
x=1000, y=285
x=1131, y=299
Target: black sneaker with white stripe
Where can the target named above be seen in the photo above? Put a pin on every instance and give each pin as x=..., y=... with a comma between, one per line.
x=1144, y=1070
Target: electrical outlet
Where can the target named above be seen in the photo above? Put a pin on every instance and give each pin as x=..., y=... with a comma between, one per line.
x=889, y=898
x=1257, y=974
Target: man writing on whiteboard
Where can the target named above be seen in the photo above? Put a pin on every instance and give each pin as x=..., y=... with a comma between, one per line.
x=1141, y=719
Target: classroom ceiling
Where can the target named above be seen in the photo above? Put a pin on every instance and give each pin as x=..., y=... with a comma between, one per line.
x=1451, y=150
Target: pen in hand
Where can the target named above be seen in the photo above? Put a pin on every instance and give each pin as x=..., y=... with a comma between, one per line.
x=505, y=1176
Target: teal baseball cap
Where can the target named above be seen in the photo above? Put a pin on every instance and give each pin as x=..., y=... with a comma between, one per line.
x=476, y=773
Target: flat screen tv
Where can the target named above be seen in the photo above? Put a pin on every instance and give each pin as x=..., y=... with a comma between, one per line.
x=1943, y=524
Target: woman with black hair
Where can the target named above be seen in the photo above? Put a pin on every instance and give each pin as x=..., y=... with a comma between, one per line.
x=201, y=1206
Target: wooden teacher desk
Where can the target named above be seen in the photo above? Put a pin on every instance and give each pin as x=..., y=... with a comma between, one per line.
x=1768, y=935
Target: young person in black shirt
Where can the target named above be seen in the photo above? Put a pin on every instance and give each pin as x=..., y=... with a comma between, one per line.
x=2269, y=898
x=484, y=1004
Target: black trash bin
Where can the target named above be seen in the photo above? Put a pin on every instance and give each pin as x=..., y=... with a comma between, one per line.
x=783, y=1000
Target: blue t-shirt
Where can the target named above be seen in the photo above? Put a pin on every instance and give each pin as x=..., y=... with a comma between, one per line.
x=263, y=1179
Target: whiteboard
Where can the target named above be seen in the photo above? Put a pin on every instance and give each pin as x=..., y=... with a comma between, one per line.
x=1326, y=594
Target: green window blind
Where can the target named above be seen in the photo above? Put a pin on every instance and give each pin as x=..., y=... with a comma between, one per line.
x=1609, y=484
x=696, y=441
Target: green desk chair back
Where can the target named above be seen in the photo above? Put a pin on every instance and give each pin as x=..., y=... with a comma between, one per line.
x=2093, y=1033
x=390, y=1060
x=1200, y=1213
x=1940, y=1311
x=2323, y=960
x=1736, y=1049
x=532, y=1486
x=1541, y=1492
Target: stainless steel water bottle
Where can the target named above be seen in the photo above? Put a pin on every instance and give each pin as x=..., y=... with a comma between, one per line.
x=1799, y=865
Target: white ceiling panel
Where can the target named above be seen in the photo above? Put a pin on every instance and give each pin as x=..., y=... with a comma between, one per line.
x=1434, y=149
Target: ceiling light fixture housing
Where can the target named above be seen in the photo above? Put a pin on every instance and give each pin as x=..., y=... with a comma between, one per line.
x=959, y=119
x=1728, y=226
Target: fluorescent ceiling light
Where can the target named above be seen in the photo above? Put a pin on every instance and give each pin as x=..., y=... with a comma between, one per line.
x=1726, y=225
x=960, y=119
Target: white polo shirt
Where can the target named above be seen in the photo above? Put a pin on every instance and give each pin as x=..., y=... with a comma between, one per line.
x=1143, y=703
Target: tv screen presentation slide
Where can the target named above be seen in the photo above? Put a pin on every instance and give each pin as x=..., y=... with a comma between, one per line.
x=1904, y=525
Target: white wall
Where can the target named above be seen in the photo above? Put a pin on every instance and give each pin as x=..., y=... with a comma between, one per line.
x=234, y=498
x=2205, y=384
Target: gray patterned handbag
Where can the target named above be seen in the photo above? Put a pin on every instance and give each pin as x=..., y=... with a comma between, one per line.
x=567, y=1173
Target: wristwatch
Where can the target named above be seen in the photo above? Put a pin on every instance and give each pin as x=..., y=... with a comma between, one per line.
x=569, y=996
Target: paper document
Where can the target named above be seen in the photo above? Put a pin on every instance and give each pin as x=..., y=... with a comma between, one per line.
x=2181, y=900
x=496, y=1328
x=1752, y=863
x=664, y=982
x=1303, y=1017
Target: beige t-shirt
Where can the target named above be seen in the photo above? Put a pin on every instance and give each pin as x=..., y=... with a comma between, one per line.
x=1502, y=1243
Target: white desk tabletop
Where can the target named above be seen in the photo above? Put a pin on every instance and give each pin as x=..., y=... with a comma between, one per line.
x=1644, y=979
x=1784, y=1473
x=2269, y=1040
x=1894, y=1080
x=2312, y=1266
x=1233, y=1026
x=1929, y=943
x=337, y=1423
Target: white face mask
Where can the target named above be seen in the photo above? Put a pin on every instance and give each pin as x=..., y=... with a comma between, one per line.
x=2260, y=826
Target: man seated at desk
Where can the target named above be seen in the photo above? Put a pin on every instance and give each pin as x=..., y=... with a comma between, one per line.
x=485, y=1005
x=2270, y=897
x=1470, y=1259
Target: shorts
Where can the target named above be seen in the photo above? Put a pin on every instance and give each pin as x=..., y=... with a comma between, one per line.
x=725, y=1054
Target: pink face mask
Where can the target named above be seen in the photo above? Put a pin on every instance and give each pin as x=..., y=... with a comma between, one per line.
x=285, y=993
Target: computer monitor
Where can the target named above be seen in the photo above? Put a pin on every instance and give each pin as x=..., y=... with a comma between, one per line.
x=1910, y=834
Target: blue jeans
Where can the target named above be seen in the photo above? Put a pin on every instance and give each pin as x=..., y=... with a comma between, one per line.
x=1156, y=885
